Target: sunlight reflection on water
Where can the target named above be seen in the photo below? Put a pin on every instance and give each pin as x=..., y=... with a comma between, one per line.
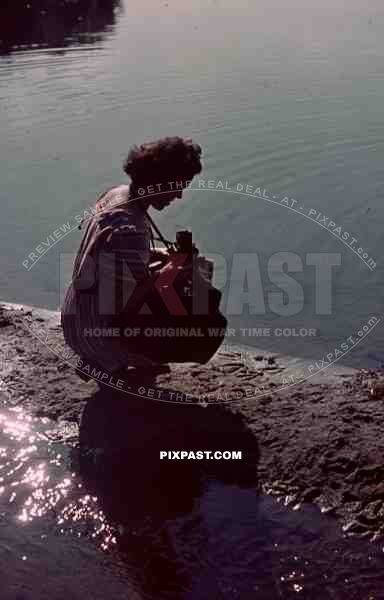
x=32, y=478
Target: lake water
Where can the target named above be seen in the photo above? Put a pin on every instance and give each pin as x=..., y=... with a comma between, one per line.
x=285, y=97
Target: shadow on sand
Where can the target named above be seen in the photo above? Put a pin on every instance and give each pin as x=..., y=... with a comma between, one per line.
x=156, y=503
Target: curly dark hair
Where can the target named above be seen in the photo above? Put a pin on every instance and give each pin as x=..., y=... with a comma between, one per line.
x=163, y=160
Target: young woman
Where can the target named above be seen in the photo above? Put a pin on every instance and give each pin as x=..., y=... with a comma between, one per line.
x=111, y=267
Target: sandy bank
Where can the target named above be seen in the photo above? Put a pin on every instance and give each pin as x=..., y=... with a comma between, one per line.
x=319, y=441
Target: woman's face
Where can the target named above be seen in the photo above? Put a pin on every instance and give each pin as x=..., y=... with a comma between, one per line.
x=161, y=201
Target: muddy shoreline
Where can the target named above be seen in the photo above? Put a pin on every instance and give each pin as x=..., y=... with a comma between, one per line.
x=319, y=441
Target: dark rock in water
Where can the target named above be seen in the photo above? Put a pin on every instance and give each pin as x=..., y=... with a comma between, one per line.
x=54, y=23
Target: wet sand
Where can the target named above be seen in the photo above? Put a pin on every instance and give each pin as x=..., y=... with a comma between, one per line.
x=319, y=441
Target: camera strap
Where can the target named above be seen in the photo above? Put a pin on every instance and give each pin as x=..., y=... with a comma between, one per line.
x=161, y=238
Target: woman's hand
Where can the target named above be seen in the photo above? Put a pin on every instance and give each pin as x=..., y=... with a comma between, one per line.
x=159, y=254
x=176, y=264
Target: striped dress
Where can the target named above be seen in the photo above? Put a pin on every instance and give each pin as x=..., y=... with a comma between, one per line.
x=113, y=255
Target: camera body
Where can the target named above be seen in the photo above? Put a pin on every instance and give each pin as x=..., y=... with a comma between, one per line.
x=184, y=245
x=200, y=299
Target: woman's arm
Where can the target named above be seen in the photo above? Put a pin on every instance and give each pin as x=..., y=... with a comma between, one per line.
x=123, y=259
x=159, y=254
x=164, y=276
